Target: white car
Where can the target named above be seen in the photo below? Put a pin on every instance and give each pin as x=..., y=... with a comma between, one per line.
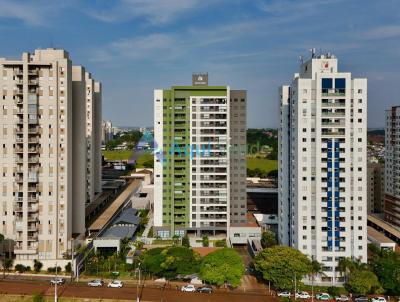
x=58, y=281
x=115, y=284
x=284, y=294
x=188, y=288
x=303, y=295
x=378, y=299
x=342, y=298
x=95, y=283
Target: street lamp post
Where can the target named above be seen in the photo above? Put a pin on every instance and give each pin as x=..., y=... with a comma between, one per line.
x=137, y=290
x=55, y=286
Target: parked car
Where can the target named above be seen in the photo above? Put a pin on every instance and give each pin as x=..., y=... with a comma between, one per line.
x=342, y=298
x=188, y=288
x=115, y=284
x=323, y=296
x=58, y=281
x=303, y=295
x=361, y=299
x=96, y=283
x=378, y=299
x=284, y=294
x=205, y=289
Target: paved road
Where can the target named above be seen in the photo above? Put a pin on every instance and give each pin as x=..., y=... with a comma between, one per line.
x=80, y=290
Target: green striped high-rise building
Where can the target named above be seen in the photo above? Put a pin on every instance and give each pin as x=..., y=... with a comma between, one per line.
x=200, y=159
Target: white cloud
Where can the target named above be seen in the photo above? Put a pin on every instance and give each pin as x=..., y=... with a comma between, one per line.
x=381, y=32
x=158, y=47
x=153, y=11
x=35, y=13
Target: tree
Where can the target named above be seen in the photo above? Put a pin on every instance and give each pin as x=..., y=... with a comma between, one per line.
x=316, y=268
x=152, y=260
x=8, y=263
x=37, y=265
x=185, y=241
x=171, y=261
x=281, y=264
x=68, y=267
x=205, y=240
x=268, y=239
x=386, y=266
x=363, y=282
x=222, y=266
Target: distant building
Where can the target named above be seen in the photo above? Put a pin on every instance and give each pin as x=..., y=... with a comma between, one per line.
x=375, y=187
x=392, y=166
x=106, y=131
x=323, y=165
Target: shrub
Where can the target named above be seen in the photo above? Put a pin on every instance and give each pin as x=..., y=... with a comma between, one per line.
x=38, y=297
x=220, y=243
x=206, y=242
x=334, y=291
x=68, y=267
x=20, y=268
x=37, y=265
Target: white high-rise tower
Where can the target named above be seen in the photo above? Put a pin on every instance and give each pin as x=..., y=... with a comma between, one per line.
x=323, y=165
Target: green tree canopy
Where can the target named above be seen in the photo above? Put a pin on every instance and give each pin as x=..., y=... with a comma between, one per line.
x=386, y=265
x=268, y=239
x=280, y=265
x=171, y=261
x=224, y=265
x=363, y=282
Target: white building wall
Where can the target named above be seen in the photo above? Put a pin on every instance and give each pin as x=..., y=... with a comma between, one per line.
x=158, y=163
x=313, y=119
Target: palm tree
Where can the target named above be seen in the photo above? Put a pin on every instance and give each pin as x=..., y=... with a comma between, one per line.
x=316, y=268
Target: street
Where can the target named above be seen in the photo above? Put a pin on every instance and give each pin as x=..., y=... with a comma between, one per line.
x=81, y=290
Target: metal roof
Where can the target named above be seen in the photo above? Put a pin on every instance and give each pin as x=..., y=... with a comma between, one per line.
x=120, y=232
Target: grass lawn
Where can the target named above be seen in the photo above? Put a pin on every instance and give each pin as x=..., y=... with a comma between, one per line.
x=144, y=157
x=263, y=164
x=117, y=154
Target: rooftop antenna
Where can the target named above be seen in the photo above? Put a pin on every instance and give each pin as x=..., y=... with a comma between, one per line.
x=312, y=52
x=301, y=59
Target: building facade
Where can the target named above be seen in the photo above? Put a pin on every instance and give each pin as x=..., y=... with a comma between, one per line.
x=107, y=131
x=392, y=162
x=375, y=187
x=200, y=164
x=41, y=201
x=323, y=165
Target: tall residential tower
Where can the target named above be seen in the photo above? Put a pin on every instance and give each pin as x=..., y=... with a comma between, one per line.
x=200, y=164
x=392, y=163
x=43, y=121
x=323, y=165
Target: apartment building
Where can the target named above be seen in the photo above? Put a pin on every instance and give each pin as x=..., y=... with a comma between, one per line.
x=93, y=137
x=199, y=162
x=323, y=165
x=42, y=201
x=392, y=163
x=375, y=187
x=106, y=131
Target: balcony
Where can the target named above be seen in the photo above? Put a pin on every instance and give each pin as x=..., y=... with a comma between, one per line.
x=33, y=130
x=18, y=150
x=32, y=238
x=18, y=130
x=17, y=208
x=333, y=92
x=33, y=160
x=33, y=217
x=333, y=104
x=19, y=179
x=33, y=72
x=33, y=188
x=33, y=82
x=33, y=140
x=33, y=149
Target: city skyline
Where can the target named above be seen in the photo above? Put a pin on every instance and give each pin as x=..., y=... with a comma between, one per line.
x=255, y=46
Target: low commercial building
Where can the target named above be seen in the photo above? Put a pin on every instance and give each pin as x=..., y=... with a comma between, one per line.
x=380, y=240
x=123, y=226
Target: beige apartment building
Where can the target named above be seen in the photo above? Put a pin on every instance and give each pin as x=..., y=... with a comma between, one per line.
x=93, y=137
x=43, y=154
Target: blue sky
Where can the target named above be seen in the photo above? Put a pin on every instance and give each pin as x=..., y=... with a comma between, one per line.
x=134, y=46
